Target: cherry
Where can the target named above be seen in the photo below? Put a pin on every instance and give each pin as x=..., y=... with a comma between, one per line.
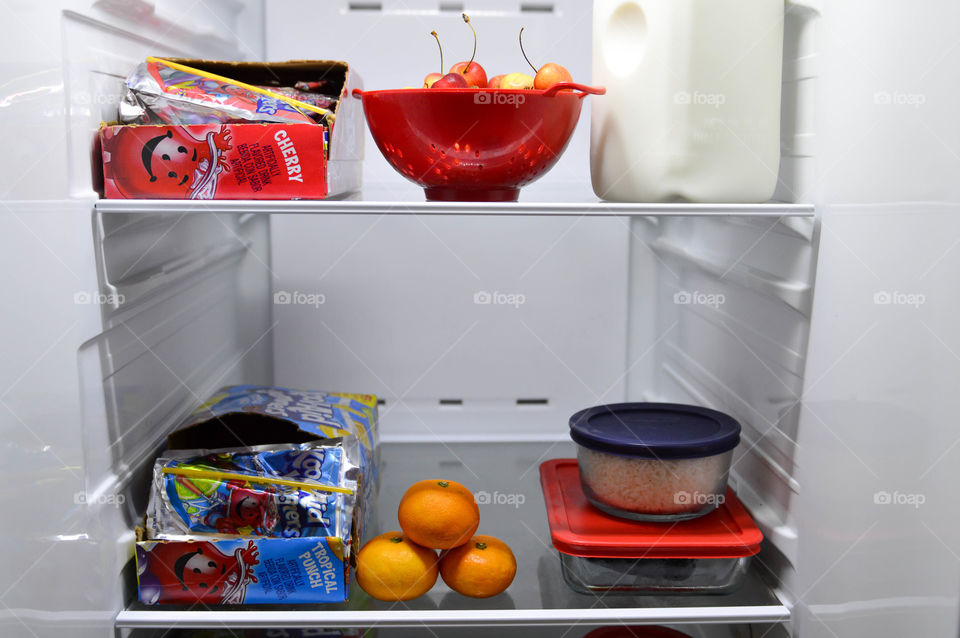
x=547, y=75
x=433, y=77
x=516, y=81
x=475, y=75
x=472, y=71
x=550, y=74
x=451, y=81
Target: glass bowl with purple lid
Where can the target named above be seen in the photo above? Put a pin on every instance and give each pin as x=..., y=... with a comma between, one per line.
x=654, y=461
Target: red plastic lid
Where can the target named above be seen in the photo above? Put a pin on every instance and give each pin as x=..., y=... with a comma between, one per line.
x=623, y=631
x=580, y=529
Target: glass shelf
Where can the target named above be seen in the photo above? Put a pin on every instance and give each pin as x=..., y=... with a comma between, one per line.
x=574, y=200
x=506, y=475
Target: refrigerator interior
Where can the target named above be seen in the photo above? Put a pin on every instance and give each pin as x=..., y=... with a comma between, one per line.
x=127, y=316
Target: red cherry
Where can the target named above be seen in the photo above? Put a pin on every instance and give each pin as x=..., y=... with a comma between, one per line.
x=472, y=72
x=451, y=81
x=433, y=77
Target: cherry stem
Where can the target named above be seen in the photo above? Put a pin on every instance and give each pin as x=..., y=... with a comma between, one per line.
x=466, y=19
x=437, y=38
x=525, y=53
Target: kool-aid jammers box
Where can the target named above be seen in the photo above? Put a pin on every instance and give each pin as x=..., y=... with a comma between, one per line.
x=214, y=161
x=246, y=562
x=178, y=150
x=263, y=415
x=222, y=571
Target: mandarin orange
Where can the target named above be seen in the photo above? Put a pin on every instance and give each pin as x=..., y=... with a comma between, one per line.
x=438, y=514
x=481, y=568
x=392, y=567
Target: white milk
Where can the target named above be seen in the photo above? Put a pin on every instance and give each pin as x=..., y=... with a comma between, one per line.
x=692, y=110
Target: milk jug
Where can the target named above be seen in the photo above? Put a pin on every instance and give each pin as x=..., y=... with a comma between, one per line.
x=692, y=110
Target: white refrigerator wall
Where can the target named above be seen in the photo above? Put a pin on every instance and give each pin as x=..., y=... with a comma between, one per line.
x=115, y=325
x=878, y=442
x=468, y=327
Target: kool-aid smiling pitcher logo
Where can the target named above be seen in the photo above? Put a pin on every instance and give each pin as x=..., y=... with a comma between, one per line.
x=144, y=163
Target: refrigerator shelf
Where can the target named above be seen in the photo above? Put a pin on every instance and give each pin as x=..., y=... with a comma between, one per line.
x=505, y=479
x=584, y=618
x=375, y=202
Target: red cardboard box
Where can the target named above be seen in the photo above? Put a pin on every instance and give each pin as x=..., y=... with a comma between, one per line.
x=243, y=160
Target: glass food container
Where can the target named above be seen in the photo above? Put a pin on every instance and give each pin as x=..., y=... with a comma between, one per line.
x=604, y=554
x=654, y=461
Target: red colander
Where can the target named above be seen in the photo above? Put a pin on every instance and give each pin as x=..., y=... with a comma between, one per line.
x=474, y=144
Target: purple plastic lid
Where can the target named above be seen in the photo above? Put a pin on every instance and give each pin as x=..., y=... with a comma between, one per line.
x=655, y=430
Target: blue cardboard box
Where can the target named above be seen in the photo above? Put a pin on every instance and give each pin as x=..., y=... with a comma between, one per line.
x=221, y=569
x=235, y=571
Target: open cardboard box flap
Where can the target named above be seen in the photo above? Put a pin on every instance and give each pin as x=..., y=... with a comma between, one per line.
x=334, y=72
x=238, y=429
